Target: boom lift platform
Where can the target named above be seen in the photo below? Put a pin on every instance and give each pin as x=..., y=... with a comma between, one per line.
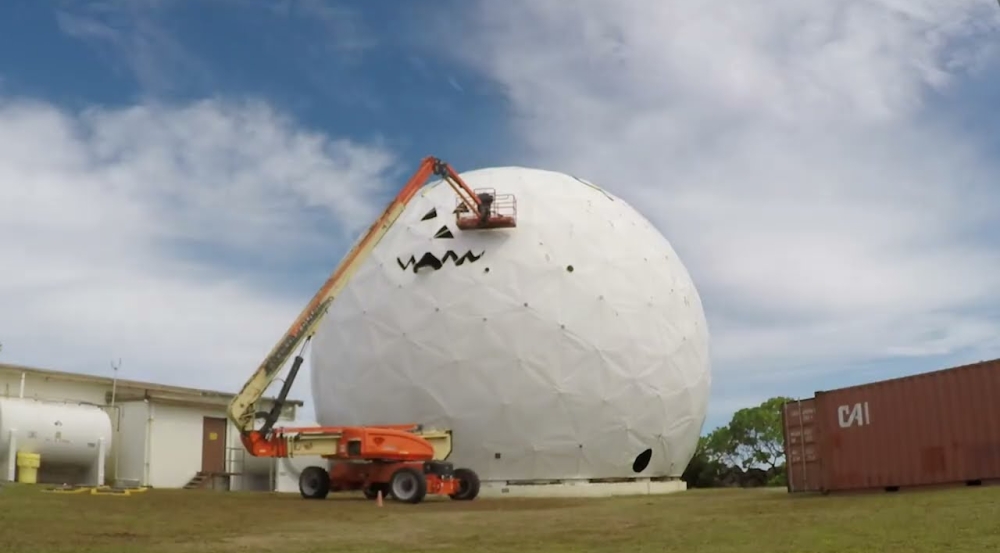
x=403, y=461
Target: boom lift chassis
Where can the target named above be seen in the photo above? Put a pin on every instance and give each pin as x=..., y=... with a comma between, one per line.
x=405, y=461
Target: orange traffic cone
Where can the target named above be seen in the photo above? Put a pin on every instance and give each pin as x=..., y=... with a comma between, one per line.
x=378, y=498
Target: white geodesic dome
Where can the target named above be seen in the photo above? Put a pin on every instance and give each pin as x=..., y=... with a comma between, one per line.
x=560, y=349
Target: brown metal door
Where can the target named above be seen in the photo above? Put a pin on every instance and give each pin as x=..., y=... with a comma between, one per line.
x=802, y=459
x=213, y=445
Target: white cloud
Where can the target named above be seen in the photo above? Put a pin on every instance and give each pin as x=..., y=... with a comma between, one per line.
x=790, y=150
x=127, y=34
x=100, y=212
x=347, y=35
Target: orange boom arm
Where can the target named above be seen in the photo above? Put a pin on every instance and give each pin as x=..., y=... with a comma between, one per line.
x=391, y=453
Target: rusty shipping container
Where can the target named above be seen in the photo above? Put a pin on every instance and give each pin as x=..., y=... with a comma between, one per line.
x=935, y=428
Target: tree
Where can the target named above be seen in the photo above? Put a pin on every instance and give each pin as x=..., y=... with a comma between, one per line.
x=756, y=437
x=703, y=470
x=748, y=451
x=721, y=447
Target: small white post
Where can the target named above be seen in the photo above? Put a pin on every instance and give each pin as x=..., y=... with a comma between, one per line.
x=100, y=462
x=12, y=457
x=21, y=394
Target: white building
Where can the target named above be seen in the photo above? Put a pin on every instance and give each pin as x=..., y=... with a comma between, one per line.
x=161, y=436
x=568, y=355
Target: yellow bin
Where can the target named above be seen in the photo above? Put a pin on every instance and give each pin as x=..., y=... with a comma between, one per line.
x=27, y=467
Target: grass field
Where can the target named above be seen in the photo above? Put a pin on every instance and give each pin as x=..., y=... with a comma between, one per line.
x=710, y=521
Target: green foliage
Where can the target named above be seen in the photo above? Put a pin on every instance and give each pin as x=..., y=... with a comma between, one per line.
x=703, y=470
x=749, y=449
x=721, y=446
x=755, y=435
x=779, y=478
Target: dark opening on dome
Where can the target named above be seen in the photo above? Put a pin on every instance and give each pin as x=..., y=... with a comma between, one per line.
x=642, y=460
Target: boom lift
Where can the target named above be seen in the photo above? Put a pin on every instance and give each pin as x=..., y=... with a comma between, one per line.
x=404, y=461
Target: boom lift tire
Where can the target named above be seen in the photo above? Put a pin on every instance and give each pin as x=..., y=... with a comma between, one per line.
x=314, y=483
x=468, y=485
x=408, y=485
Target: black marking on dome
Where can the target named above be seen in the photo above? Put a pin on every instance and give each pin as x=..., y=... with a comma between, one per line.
x=642, y=460
x=444, y=232
x=594, y=186
x=430, y=214
x=432, y=261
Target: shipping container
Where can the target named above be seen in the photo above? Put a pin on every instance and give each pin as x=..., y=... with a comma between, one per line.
x=935, y=428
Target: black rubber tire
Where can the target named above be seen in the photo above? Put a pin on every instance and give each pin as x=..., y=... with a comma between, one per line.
x=468, y=487
x=314, y=483
x=408, y=485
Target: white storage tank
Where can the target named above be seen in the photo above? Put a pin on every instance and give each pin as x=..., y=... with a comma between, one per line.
x=72, y=439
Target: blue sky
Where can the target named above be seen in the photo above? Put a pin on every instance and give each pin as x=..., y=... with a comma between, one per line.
x=177, y=177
